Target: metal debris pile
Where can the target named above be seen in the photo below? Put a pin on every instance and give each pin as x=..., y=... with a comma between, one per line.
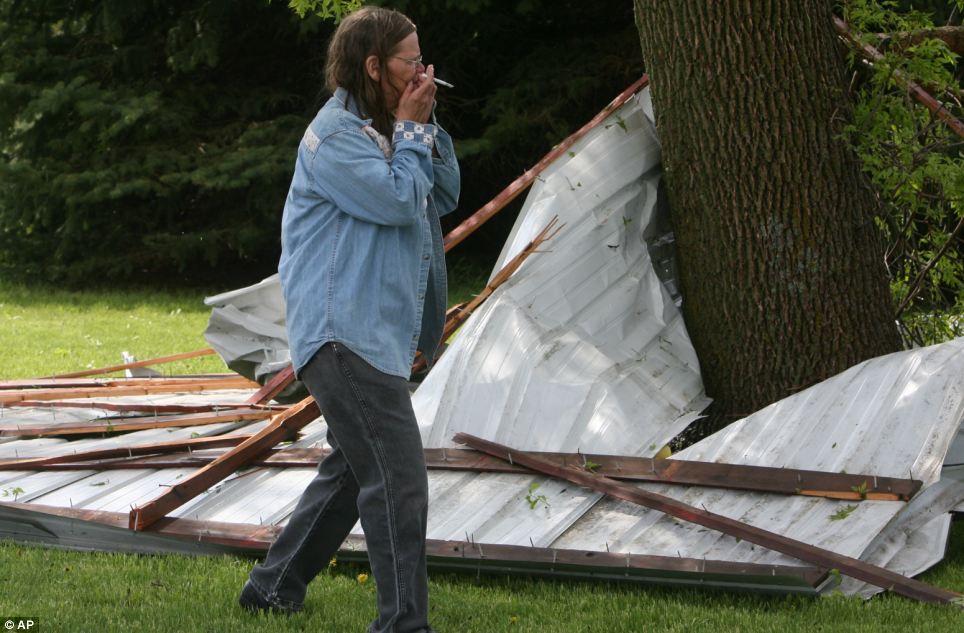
x=542, y=423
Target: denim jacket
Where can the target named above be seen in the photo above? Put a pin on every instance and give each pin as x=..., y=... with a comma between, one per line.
x=361, y=247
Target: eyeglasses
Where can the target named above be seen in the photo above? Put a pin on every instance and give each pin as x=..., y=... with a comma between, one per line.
x=411, y=62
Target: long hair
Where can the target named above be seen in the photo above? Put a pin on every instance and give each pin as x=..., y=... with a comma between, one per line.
x=365, y=32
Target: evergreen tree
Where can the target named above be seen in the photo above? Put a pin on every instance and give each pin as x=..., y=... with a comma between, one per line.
x=147, y=138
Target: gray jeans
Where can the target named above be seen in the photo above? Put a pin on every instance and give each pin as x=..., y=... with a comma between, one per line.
x=376, y=471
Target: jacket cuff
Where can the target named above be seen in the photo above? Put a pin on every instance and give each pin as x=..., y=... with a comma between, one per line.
x=421, y=133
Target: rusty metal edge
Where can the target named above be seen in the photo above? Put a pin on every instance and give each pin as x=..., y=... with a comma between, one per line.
x=41, y=524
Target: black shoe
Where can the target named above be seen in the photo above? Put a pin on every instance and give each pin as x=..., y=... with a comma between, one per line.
x=251, y=600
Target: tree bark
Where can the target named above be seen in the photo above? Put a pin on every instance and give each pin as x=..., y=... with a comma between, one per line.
x=781, y=265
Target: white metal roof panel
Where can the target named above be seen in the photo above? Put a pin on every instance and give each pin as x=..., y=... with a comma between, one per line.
x=892, y=416
x=583, y=349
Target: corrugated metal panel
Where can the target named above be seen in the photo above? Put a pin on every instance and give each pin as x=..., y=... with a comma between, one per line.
x=493, y=508
x=893, y=416
x=79, y=529
x=247, y=328
x=584, y=350
x=598, y=276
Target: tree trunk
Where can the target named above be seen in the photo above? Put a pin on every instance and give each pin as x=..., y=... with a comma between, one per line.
x=781, y=265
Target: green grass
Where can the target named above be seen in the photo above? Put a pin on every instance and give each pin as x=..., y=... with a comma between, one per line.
x=44, y=331
x=72, y=591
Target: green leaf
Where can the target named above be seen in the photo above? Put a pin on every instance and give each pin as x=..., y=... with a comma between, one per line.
x=842, y=513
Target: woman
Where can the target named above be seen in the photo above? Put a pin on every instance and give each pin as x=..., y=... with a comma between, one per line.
x=363, y=273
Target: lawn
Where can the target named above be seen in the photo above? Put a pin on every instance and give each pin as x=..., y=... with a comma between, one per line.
x=45, y=331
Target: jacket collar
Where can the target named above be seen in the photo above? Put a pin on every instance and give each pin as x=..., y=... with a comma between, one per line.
x=349, y=102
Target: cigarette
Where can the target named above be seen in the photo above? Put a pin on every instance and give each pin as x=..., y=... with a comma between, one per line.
x=442, y=83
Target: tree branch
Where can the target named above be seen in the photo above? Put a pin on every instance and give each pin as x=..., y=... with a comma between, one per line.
x=919, y=280
x=921, y=95
x=953, y=36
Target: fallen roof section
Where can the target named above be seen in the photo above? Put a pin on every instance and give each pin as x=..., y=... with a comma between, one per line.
x=584, y=349
x=823, y=558
x=890, y=416
x=544, y=365
x=886, y=392
x=91, y=530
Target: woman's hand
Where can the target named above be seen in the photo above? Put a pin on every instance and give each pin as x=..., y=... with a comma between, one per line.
x=416, y=102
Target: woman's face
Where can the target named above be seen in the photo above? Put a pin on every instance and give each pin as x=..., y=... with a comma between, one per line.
x=403, y=66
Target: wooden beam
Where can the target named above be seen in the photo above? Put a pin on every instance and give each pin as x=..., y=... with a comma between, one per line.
x=138, y=407
x=855, y=487
x=855, y=568
x=116, y=425
x=141, y=363
x=160, y=386
x=517, y=186
x=278, y=383
x=173, y=446
x=80, y=383
x=459, y=317
x=283, y=426
x=787, y=481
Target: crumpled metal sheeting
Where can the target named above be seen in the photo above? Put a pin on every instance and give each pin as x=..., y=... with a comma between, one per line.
x=247, y=328
x=582, y=349
x=30, y=416
x=589, y=404
x=486, y=508
x=545, y=361
x=15, y=447
x=892, y=416
x=913, y=534
x=583, y=157
x=895, y=415
x=627, y=527
x=260, y=496
x=262, y=300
